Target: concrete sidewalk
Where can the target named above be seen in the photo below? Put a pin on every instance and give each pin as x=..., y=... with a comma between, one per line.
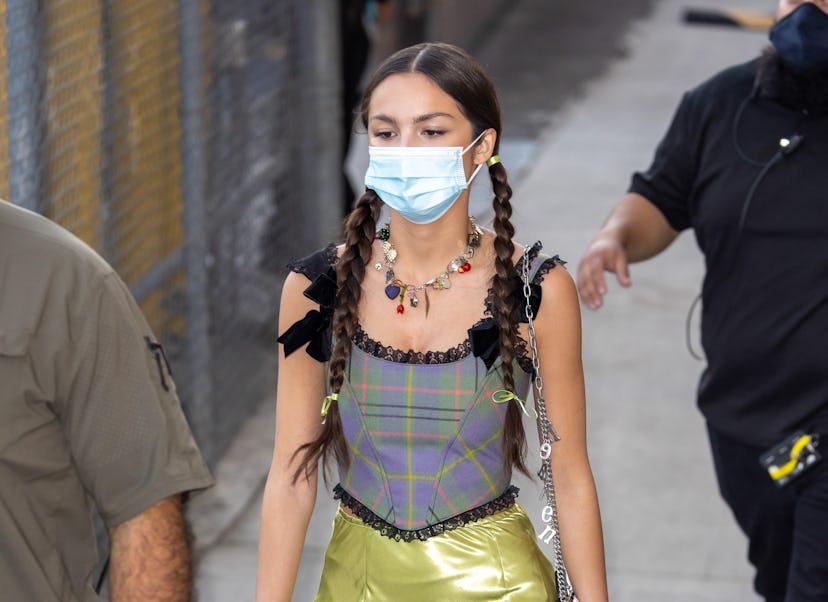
x=668, y=535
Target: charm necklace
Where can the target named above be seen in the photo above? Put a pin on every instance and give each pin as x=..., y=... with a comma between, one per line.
x=396, y=289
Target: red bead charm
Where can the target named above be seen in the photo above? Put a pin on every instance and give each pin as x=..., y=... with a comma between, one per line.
x=401, y=309
x=466, y=267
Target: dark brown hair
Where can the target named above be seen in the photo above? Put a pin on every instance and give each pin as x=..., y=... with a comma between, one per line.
x=462, y=78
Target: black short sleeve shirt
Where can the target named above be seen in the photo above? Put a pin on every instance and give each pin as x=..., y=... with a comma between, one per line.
x=765, y=293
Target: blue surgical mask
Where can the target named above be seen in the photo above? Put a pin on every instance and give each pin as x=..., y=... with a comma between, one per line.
x=801, y=38
x=419, y=182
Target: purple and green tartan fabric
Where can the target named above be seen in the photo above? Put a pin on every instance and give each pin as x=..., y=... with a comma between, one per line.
x=426, y=440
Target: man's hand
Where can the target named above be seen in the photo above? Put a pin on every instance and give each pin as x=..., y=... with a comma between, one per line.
x=604, y=254
x=150, y=558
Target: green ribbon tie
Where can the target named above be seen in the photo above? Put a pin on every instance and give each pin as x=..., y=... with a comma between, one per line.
x=504, y=396
x=326, y=405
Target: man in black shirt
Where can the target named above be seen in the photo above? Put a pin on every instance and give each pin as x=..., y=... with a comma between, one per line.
x=745, y=165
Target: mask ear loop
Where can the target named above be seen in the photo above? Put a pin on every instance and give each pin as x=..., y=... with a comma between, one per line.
x=474, y=174
x=473, y=142
x=465, y=150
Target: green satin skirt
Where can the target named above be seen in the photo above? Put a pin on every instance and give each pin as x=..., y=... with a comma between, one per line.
x=494, y=558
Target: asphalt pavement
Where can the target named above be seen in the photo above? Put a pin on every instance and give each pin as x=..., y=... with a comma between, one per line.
x=587, y=96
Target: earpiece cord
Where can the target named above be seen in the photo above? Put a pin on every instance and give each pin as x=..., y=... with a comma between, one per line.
x=739, y=231
x=785, y=149
x=688, y=341
x=737, y=121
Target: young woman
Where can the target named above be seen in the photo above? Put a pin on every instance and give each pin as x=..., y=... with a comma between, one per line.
x=406, y=358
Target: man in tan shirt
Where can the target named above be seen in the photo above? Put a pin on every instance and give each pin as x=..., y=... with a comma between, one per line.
x=90, y=424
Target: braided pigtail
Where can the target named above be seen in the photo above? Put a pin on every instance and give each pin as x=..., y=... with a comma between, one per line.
x=504, y=288
x=360, y=229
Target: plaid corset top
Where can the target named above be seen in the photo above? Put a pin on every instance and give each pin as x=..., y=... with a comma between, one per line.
x=425, y=439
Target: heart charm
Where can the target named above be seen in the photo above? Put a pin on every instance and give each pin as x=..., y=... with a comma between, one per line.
x=392, y=291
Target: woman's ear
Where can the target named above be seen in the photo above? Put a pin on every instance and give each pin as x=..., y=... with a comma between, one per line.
x=485, y=146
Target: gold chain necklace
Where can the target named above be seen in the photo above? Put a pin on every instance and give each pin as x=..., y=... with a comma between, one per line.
x=396, y=289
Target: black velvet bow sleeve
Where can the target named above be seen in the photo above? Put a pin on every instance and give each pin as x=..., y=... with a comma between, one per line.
x=485, y=336
x=485, y=341
x=535, y=295
x=315, y=328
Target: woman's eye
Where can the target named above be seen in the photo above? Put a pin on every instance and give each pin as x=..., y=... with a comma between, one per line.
x=384, y=134
x=433, y=133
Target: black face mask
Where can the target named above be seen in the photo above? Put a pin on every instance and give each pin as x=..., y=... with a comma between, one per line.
x=801, y=38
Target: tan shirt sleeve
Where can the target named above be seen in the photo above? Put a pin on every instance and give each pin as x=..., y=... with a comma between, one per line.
x=123, y=421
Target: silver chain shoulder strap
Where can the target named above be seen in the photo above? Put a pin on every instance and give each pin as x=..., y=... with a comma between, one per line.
x=548, y=435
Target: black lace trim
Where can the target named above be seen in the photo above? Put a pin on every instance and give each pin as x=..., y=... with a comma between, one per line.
x=502, y=502
x=383, y=352
x=524, y=360
x=546, y=267
x=315, y=264
x=532, y=253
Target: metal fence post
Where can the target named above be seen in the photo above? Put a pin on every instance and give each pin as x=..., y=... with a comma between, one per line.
x=321, y=161
x=195, y=221
x=25, y=95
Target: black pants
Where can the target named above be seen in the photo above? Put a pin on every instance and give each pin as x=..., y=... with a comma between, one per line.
x=787, y=527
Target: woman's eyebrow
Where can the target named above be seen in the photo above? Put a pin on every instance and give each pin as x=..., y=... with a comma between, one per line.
x=419, y=119
x=428, y=116
x=384, y=118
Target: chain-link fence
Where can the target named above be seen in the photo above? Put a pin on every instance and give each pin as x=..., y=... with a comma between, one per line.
x=195, y=144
